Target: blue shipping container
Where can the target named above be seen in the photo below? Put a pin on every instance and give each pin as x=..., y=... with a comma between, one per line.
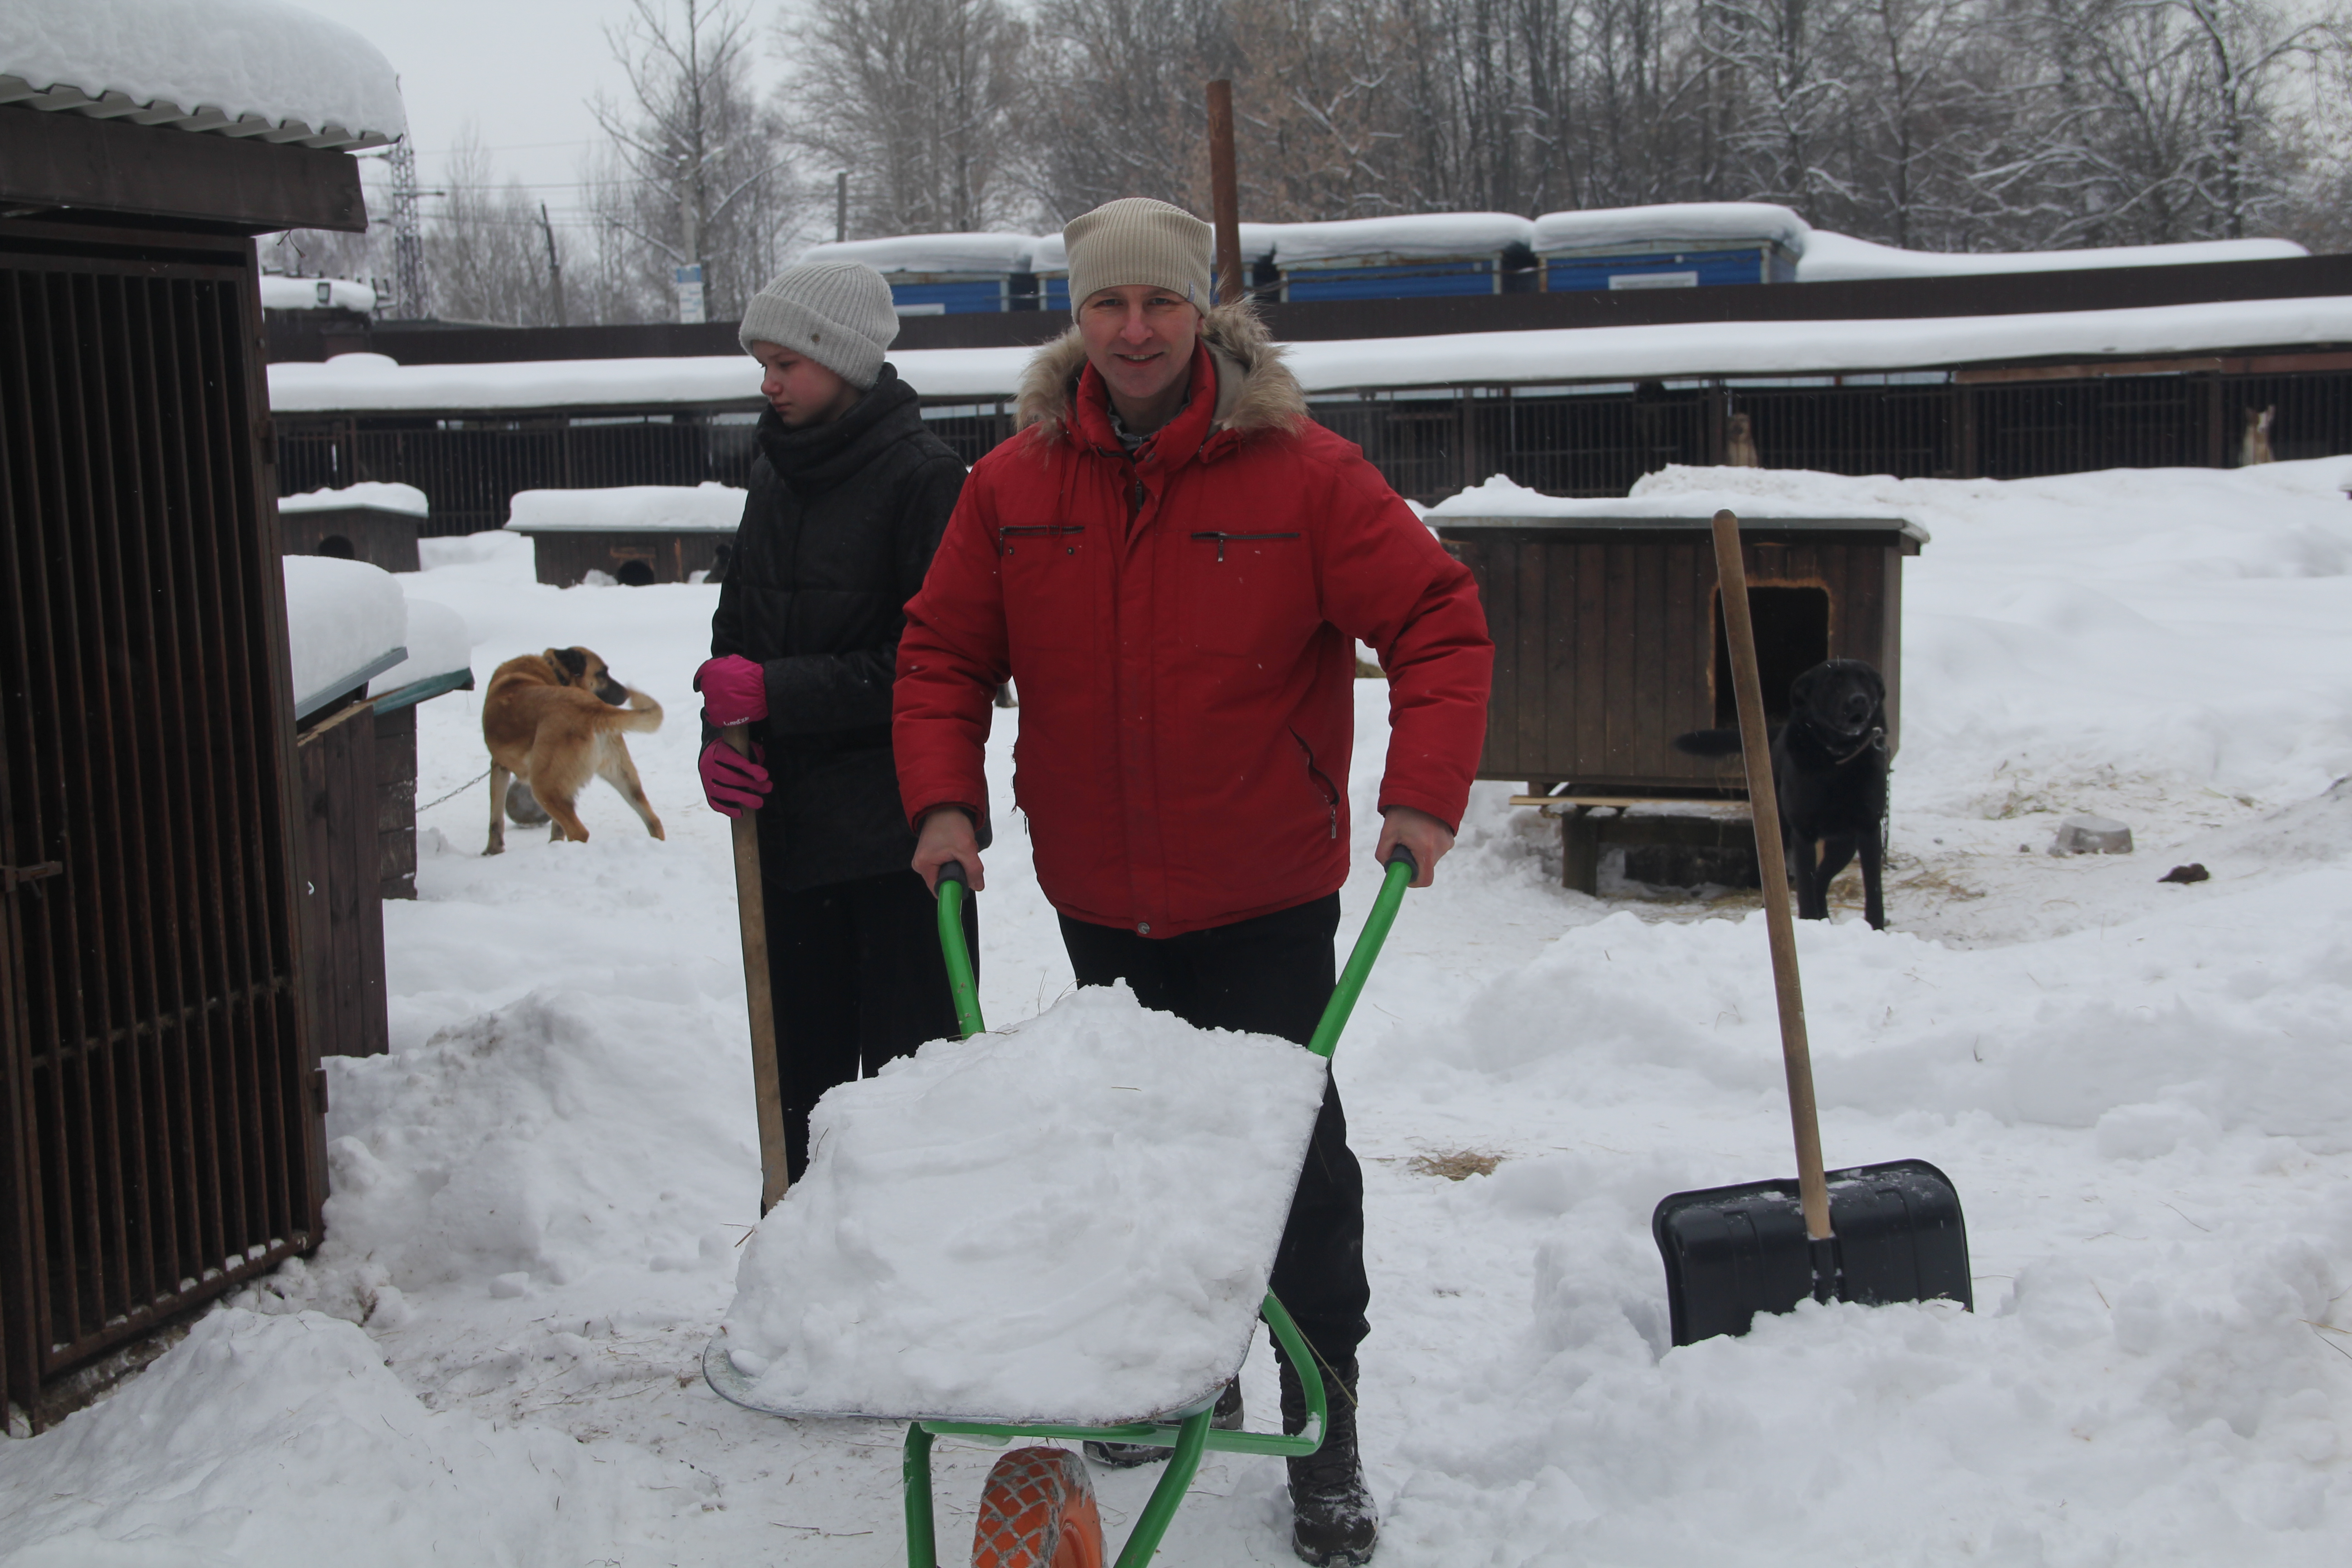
x=1400, y=282
x=1668, y=269
x=948, y=298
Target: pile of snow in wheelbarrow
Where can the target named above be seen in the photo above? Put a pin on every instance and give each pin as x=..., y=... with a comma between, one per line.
x=2142, y=1090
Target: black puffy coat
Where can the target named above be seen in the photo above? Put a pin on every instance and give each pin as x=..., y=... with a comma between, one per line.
x=837, y=532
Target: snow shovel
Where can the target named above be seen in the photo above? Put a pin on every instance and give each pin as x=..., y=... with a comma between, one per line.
x=1872, y=1234
x=751, y=908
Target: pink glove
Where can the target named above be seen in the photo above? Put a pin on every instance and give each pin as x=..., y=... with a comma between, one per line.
x=734, y=690
x=734, y=783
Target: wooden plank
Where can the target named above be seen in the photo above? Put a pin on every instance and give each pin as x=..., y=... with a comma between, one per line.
x=1620, y=675
x=1531, y=633
x=66, y=160
x=1648, y=684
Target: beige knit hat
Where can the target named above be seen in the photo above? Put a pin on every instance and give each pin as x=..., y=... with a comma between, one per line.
x=1137, y=241
x=837, y=313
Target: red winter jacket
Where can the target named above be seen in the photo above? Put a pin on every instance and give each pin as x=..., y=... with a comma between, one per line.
x=1179, y=626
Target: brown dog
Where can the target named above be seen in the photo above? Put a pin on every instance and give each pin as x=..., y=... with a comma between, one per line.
x=555, y=720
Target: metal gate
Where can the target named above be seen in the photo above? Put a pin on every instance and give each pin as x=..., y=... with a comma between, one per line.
x=160, y=1128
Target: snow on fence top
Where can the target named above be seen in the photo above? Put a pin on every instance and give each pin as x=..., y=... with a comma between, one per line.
x=1559, y=354
x=1696, y=223
x=708, y=507
x=1836, y=258
x=988, y=253
x=368, y=492
x=438, y=643
x=226, y=64
x=282, y=293
x=346, y=622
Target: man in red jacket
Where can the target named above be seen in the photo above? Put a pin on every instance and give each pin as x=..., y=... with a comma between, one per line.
x=1173, y=562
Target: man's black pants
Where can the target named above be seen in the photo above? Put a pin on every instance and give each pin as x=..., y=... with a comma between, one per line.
x=1270, y=975
x=857, y=979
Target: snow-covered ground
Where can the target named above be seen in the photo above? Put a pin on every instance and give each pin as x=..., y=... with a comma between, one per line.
x=2142, y=1091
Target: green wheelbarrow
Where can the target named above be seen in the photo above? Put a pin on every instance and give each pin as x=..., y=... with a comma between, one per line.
x=1038, y=1510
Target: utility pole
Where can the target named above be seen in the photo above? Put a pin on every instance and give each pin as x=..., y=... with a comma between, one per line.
x=411, y=288
x=554, y=267
x=1224, y=194
x=841, y=207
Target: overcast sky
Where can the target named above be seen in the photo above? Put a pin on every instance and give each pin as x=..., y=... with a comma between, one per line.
x=521, y=70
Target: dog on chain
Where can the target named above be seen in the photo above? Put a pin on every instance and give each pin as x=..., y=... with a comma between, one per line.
x=553, y=721
x=1829, y=768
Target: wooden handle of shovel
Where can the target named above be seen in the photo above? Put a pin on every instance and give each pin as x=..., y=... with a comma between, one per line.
x=751, y=907
x=1764, y=806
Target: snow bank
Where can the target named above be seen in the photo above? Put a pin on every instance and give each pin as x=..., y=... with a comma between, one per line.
x=1831, y=258
x=368, y=492
x=1072, y=1219
x=283, y=293
x=345, y=621
x=239, y=1445
x=438, y=643
x=989, y=253
x=1712, y=223
x=287, y=66
x=629, y=508
x=1426, y=235
x=353, y=381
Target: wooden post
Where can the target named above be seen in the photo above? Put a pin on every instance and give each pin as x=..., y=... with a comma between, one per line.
x=1224, y=192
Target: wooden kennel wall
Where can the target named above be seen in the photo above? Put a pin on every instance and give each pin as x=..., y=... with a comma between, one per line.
x=1608, y=642
x=161, y=1108
x=564, y=556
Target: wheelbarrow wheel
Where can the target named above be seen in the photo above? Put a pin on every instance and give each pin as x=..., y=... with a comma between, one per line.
x=1039, y=1511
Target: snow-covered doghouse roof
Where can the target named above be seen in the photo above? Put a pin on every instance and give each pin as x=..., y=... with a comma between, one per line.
x=346, y=623
x=1501, y=502
x=373, y=383
x=240, y=67
x=707, y=507
x=376, y=493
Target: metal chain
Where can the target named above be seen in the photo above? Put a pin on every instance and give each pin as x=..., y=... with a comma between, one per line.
x=458, y=791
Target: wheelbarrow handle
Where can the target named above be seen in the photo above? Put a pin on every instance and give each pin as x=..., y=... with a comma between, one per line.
x=954, y=886
x=1402, y=869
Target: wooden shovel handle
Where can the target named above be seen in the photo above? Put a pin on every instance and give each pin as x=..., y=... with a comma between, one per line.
x=1764, y=806
x=751, y=908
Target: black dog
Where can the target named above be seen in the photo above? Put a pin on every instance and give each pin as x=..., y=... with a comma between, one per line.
x=1829, y=768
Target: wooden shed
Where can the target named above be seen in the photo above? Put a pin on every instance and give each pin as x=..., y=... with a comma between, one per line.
x=635, y=535
x=160, y=1102
x=1609, y=638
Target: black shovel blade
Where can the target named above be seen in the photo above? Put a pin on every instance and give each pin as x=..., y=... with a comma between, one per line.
x=1733, y=1252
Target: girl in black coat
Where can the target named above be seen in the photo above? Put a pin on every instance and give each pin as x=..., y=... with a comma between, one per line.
x=848, y=502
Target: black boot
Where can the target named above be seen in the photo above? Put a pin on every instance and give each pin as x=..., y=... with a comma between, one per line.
x=1128, y=1456
x=1332, y=1517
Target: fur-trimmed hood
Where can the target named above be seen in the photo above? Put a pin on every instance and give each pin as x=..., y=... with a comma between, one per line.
x=1255, y=391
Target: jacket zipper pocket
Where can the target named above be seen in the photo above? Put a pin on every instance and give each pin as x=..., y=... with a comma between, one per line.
x=1323, y=779
x=1005, y=536
x=1222, y=539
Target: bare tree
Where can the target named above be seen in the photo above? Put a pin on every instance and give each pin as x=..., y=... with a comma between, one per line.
x=484, y=245
x=1115, y=104
x=919, y=100
x=706, y=179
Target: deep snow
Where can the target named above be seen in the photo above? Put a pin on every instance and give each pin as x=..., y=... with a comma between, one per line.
x=2138, y=1089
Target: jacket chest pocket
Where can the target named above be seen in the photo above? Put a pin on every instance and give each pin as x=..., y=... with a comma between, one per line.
x=1249, y=592
x=1045, y=574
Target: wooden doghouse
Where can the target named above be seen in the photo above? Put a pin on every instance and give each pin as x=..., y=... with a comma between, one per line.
x=161, y=1104
x=374, y=523
x=635, y=535
x=1609, y=643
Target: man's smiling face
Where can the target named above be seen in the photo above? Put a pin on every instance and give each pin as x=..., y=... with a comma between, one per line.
x=1140, y=340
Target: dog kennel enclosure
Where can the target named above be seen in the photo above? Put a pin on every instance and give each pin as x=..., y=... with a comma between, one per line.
x=161, y=1104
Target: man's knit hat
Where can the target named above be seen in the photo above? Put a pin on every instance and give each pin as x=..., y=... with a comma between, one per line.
x=837, y=313
x=1137, y=241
